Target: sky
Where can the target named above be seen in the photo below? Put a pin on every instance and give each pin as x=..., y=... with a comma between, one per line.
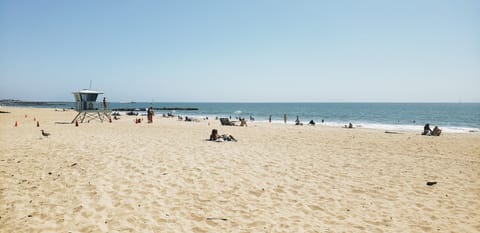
x=242, y=51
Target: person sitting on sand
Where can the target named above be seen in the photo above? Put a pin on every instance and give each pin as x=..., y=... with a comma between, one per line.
x=426, y=130
x=297, y=121
x=215, y=136
x=436, y=131
x=311, y=122
x=243, y=122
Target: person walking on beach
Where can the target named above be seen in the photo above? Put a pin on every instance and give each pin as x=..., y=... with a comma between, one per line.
x=285, y=118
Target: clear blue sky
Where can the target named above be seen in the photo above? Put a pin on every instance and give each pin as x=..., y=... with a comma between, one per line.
x=242, y=51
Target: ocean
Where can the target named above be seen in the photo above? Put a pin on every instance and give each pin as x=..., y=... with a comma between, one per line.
x=450, y=117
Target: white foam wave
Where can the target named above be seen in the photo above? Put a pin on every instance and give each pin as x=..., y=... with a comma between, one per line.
x=389, y=127
x=402, y=127
x=367, y=125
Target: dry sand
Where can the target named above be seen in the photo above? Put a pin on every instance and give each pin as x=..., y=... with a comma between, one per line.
x=164, y=177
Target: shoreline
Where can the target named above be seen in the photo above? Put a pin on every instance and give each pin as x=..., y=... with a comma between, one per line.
x=406, y=128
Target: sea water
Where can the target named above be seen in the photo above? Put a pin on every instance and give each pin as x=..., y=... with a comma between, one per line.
x=450, y=117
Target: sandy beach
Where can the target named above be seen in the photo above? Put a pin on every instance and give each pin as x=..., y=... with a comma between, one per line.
x=165, y=177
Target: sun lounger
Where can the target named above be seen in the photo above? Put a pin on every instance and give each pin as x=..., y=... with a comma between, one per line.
x=226, y=121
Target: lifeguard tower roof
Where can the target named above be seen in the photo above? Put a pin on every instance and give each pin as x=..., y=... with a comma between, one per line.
x=84, y=96
x=86, y=91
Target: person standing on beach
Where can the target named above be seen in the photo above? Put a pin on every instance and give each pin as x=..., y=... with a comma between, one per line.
x=104, y=103
x=285, y=118
x=270, y=119
x=150, y=115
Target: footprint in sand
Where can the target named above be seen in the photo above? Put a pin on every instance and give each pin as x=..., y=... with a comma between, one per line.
x=212, y=223
x=256, y=193
x=198, y=230
x=256, y=224
x=196, y=217
x=77, y=209
x=315, y=207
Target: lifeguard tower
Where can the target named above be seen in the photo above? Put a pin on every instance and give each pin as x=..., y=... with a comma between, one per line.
x=87, y=107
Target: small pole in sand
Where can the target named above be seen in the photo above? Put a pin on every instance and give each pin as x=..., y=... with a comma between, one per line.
x=76, y=123
x=38, y=123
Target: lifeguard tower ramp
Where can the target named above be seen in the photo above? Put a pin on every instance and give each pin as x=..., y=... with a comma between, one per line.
x=87, y=107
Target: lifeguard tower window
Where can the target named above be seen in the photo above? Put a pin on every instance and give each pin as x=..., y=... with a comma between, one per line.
x=89, y=97
x=88, y=101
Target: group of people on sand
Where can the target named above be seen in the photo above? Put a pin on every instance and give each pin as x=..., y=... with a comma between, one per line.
x=311, y=122
x=429, y=132
x=216, y=137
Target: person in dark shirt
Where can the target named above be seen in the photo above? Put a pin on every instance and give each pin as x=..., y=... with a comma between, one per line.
x=427, y=130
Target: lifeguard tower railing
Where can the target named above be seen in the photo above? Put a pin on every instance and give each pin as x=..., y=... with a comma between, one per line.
x=88, y=108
